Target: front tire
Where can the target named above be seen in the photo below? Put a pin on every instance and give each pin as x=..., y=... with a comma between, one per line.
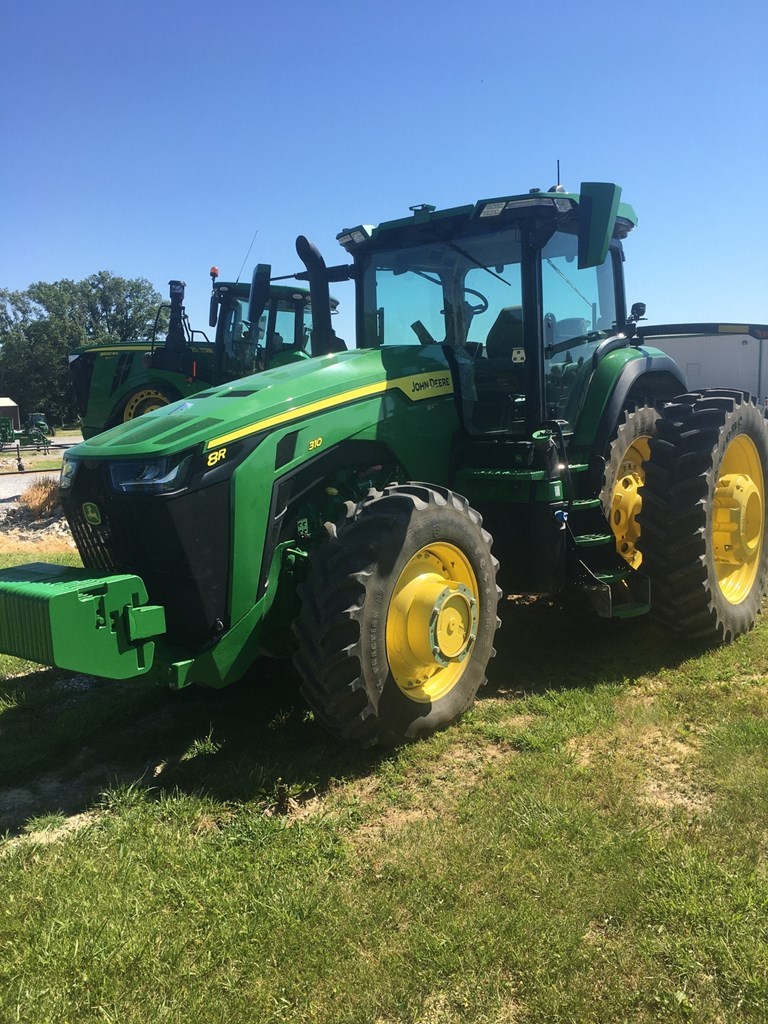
x=703, y=518
x=398, y=617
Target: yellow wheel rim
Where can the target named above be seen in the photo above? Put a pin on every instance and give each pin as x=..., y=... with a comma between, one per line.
x=432, y=622
x=143, y=402
x=737, y=523
x=626, y=501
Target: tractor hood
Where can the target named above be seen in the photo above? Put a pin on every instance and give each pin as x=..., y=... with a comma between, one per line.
x=267, y=400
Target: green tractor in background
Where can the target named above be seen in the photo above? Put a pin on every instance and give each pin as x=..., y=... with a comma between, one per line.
x=33, y=432
x=117, y=383
x=39, y=422
x=340, y=510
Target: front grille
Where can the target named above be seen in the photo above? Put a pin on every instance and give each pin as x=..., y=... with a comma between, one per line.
x=178, y=545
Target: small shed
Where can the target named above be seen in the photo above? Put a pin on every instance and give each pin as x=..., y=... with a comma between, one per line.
x=10, y=411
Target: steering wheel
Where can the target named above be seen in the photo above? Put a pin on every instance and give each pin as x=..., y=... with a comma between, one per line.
x=481, y=306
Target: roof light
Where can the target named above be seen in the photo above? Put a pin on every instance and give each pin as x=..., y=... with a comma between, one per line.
x=495, y=207
x=492, y=209
x=354, y=236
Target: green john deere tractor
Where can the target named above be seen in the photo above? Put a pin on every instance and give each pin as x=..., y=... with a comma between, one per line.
x=119, y=382
x=340, y=510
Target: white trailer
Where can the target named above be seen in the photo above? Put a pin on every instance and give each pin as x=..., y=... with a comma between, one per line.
x=716, y=355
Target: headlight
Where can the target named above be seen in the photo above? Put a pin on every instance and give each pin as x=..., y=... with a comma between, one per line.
x=67, y=475
x=151, y=476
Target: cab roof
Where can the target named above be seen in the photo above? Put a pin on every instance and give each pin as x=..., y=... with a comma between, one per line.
x=458, y=218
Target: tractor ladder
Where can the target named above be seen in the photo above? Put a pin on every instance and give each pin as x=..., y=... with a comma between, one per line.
x=595, y=569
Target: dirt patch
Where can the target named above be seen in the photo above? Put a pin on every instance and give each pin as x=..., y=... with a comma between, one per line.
x=54, y=793
x=439, y=1008
x=48, y=836
x=435, y=790
x=654, y=758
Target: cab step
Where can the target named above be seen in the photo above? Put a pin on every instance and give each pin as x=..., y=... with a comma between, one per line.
x=631, y=611
x=593, y=540
x=620, y=593
x=583, y=504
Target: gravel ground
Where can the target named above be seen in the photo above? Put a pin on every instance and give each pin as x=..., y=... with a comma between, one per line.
x=17, y=524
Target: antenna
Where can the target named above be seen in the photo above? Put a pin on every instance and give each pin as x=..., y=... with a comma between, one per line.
x=558, y=172
x=247, y=255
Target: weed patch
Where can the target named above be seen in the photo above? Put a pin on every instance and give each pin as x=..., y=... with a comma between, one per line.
x=41, y=497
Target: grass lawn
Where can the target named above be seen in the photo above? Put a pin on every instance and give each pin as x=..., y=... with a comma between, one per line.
x=589, y=845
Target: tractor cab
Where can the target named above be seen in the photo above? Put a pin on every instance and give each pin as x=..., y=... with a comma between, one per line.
x=118, y=382
x=249, y=338
x=508, y=292
x=245, y=342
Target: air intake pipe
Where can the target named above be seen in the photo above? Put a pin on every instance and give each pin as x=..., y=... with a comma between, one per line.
x=324, y=338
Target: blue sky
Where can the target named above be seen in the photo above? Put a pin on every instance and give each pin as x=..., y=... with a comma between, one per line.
x=153, y=139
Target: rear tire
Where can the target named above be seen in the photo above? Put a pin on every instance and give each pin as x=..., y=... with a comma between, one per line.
x=398, y=617
x=703, y=519
x=142, y=401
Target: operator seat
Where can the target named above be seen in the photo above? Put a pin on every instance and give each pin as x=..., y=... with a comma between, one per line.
x=506, y=334
x=501, y=377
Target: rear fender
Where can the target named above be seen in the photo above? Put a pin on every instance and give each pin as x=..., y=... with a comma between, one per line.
x=624, y=379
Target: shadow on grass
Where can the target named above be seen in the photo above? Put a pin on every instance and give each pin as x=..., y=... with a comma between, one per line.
x=539, y=647
x=64, y=740
x=67, y=740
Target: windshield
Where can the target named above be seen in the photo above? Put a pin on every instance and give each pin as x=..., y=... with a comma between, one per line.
x=442, y=292
x=239, y=342
x=467, y=296
x=284, y=326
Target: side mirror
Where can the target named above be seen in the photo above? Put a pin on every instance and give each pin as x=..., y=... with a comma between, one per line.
x=213, y=310
x=637, y=312
x=598, y=207
x=259, y=294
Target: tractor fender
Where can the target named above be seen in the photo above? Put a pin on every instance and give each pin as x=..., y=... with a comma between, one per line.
x=643, y=375
x=647, y=377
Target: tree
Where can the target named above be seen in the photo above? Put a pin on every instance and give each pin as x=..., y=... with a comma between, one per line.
x=40, y=326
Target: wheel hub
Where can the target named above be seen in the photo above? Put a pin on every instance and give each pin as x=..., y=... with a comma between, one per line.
x=738, y=519
x=447, y=623
x=432, y=622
